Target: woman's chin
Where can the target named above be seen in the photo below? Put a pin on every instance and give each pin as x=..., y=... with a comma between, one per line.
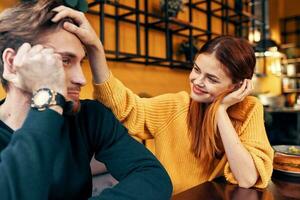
x=200, y=98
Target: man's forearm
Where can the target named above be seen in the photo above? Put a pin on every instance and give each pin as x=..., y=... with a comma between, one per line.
x=27, y=162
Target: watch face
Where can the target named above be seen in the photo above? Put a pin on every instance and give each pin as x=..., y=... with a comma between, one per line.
x=42, y=98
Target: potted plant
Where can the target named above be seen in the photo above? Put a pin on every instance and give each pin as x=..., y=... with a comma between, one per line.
x=188, y=50
x=173, y=7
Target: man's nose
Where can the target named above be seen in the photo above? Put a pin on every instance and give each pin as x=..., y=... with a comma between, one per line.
x=77, y=77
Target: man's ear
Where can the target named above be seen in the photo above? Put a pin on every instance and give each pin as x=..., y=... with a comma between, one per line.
x=9, y=70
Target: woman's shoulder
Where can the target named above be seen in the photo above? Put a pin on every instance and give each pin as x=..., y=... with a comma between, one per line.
x=245, y=108
x=249, y=103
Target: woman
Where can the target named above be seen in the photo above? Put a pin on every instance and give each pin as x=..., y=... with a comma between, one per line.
x=215, y=130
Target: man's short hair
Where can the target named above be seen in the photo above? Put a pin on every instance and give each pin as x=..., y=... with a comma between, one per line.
x=26, y=22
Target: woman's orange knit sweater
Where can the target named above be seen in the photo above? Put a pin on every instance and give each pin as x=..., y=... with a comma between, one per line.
x=164, y=118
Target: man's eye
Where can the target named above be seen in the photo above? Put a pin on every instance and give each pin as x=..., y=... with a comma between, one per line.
x=66, y=62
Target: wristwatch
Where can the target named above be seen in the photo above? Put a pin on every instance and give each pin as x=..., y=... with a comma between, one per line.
x=44, y=98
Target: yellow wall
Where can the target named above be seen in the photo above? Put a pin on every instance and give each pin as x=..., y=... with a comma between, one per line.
x=157, y=80
x=151, y=80
x=140, y=78
x=291, y=8
x=281, y=9
x=7, y=3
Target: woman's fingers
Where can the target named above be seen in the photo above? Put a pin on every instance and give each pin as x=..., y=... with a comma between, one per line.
x=82, y=29
x=63, y=12
x=241, y=89
x=238, y=95
x=74, y=29
x=250, y=86
x=245, y=89
x=248, y=89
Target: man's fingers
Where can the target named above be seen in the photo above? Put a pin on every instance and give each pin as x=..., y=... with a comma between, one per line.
x=58, y=57
x=47, y=50
x=35, y=49
x=22, y=51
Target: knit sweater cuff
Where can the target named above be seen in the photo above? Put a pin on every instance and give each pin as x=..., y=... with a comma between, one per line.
x=103, y=89
x=263, y=179
x=108, y=92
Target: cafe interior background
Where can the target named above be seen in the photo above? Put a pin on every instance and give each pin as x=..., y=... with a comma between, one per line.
x=150, y=46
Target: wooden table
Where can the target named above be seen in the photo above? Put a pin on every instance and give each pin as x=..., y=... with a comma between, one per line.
x=219, y=189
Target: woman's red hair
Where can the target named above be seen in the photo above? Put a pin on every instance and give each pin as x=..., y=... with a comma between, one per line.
x=238, y=60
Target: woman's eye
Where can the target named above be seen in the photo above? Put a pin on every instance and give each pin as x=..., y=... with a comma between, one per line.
x=212, y=80
x=196, y=69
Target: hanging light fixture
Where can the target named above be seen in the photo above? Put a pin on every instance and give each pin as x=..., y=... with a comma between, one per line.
x=254, y=36
x=266, y=49
x=265, y=45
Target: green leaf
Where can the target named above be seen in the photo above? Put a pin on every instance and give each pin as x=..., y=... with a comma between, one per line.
x=82, y=6
x=71, y=3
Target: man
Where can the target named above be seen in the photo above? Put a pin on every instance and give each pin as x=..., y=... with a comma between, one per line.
x=46, y=143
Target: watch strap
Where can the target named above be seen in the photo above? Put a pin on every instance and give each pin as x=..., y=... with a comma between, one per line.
x=59, y=100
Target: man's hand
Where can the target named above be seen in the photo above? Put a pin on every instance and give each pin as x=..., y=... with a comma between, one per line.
x=88, y=37
x=38, y=67
x=237, y=95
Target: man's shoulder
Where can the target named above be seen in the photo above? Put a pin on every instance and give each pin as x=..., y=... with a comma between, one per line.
x=93, y=112
x=89, y=105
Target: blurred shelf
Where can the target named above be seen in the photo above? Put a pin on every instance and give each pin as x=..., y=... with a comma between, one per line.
x=282, y=109
x=290, y=76
x=293, y=60
x=291, y=90
x=289, y=45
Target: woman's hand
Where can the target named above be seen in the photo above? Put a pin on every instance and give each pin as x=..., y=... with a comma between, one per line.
x=83, y=31
x=237, y=95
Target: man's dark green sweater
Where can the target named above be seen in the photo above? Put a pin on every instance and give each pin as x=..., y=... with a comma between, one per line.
x=49, y=158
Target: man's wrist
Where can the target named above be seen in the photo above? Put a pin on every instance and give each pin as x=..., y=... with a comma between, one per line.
x=45, y=98
x=57, y=108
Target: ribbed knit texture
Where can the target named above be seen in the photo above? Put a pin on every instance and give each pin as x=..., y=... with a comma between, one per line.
x=164, y=118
